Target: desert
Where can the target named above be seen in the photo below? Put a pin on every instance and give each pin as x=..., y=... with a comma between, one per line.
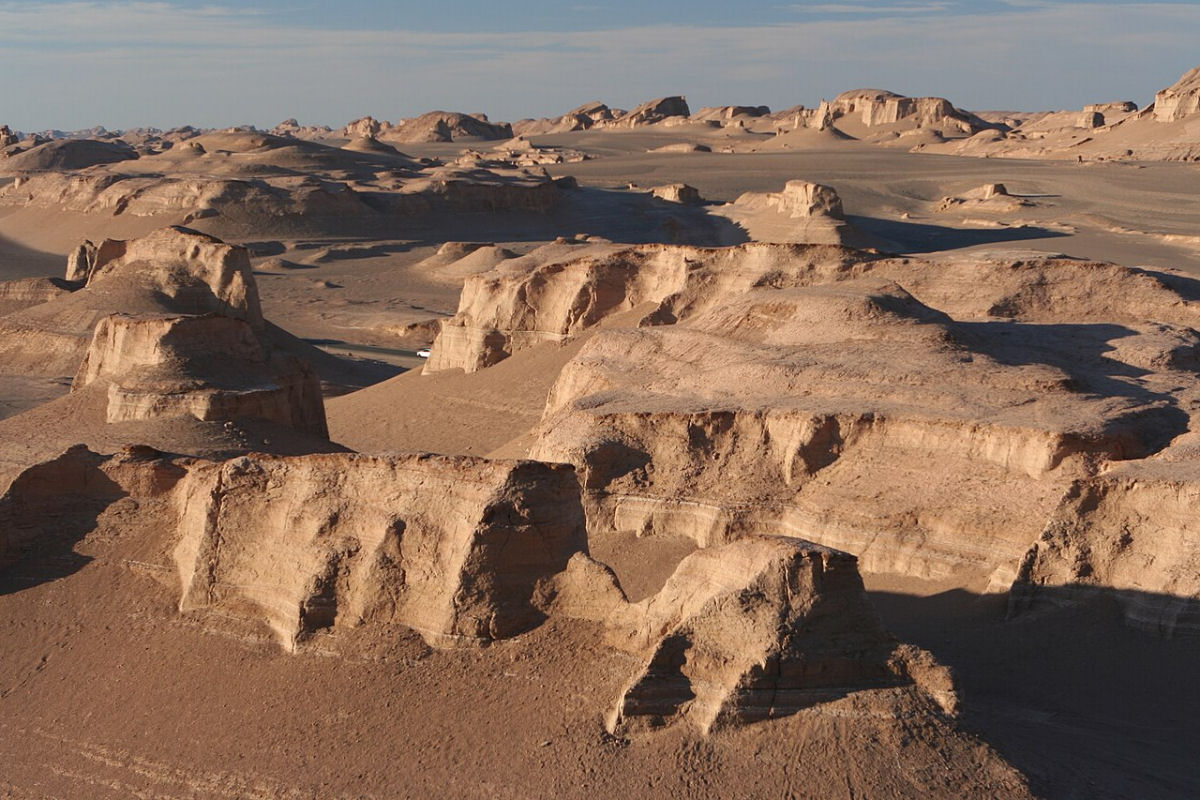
x=845, y=450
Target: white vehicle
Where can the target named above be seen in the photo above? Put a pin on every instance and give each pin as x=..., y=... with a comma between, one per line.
x=424, y=352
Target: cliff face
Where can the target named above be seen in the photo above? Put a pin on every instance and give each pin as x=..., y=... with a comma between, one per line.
x=212, y=367
x=1129, y=534
x=454, y=548
x=1180, y=100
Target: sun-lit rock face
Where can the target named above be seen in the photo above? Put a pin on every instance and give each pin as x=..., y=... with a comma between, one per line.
x=752, y=630
x=212, y=367
x=1180, y=100
x=1131, y=533
x=454, y=548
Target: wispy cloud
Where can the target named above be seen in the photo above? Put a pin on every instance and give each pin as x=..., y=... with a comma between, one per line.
x=128, y=63
x=875, y=10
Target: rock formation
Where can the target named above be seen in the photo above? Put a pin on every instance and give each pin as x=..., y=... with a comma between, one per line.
x=554, y=293
x=174, y=271
x=69, y=154
x=445, y=126
x=654, y=111
x=1130, y=534
x=678, y=193
x=756, y=629
x=1180, y=100
x=873, y=108
x=213, y=367
x=454, y=548
x=802, y=212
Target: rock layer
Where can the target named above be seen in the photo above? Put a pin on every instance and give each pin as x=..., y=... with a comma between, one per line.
x=213, y=367
x=454, y=548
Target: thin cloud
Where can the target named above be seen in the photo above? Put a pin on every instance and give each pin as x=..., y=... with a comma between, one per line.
x=854, y=8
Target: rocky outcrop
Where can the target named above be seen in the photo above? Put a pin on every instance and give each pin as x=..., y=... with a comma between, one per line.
x=172, y=271
x=802, y=212
x=800, y=394
x=678, y=193
x=553, y=293
x=653, y=111
x=757, y=629
x=7, y=137
x=445, y=126
x=198, y=273
x=212, y=367
x=873, y=108
x=455, y=548
x=1131, y=535
x=1180, y=100
x=51, y=505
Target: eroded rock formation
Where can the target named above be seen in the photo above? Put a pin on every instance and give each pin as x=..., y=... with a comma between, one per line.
x=1180, y=100
x=213, y=367
x=1130, y=534
x=454, y=548
x=757, y=629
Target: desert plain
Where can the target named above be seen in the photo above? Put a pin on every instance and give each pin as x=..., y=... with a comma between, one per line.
x=830, y=452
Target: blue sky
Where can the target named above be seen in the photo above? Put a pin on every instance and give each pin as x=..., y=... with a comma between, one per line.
x=73, y=63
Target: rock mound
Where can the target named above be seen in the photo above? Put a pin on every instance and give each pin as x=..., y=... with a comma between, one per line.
x=454, y=548
x=678, y=193
x=802, y=212
x=445, y=126
x=757, y=629
x=212, y=367
x=69, y=154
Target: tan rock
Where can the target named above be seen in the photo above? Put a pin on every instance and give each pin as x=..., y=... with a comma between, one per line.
x=212, y=367
x=455, y=548
x=1180, y=100
x=754, y=630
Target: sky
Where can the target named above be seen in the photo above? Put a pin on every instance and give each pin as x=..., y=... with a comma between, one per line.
x=72, y=64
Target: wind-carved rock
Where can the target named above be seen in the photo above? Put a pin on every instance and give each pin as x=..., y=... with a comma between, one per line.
x=212, y=367
x=1180, y=100
x=1131, y=534
x=455, y=548
x=753, y=630
x=553, y=293
x=198, y=273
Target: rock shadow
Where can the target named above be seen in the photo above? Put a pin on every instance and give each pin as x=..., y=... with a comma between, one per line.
x=48, y=509
x=1080, y=351
x=1078, y=701
x=921, y=237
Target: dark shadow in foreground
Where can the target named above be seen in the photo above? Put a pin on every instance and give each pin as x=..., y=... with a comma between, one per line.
x=1070, y=695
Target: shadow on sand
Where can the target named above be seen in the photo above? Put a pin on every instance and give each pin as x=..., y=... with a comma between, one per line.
x=1077, y=700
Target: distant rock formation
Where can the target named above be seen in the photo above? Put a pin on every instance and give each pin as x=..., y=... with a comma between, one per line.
x=1180, y=100
x=654, y=111
x=445, y=126
x=69, y=154
x=7, y=137
x=803, y=212
x=454, y=548
x=680, y=193
x=873, y=108
x=215, y=368
x=363, y=128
